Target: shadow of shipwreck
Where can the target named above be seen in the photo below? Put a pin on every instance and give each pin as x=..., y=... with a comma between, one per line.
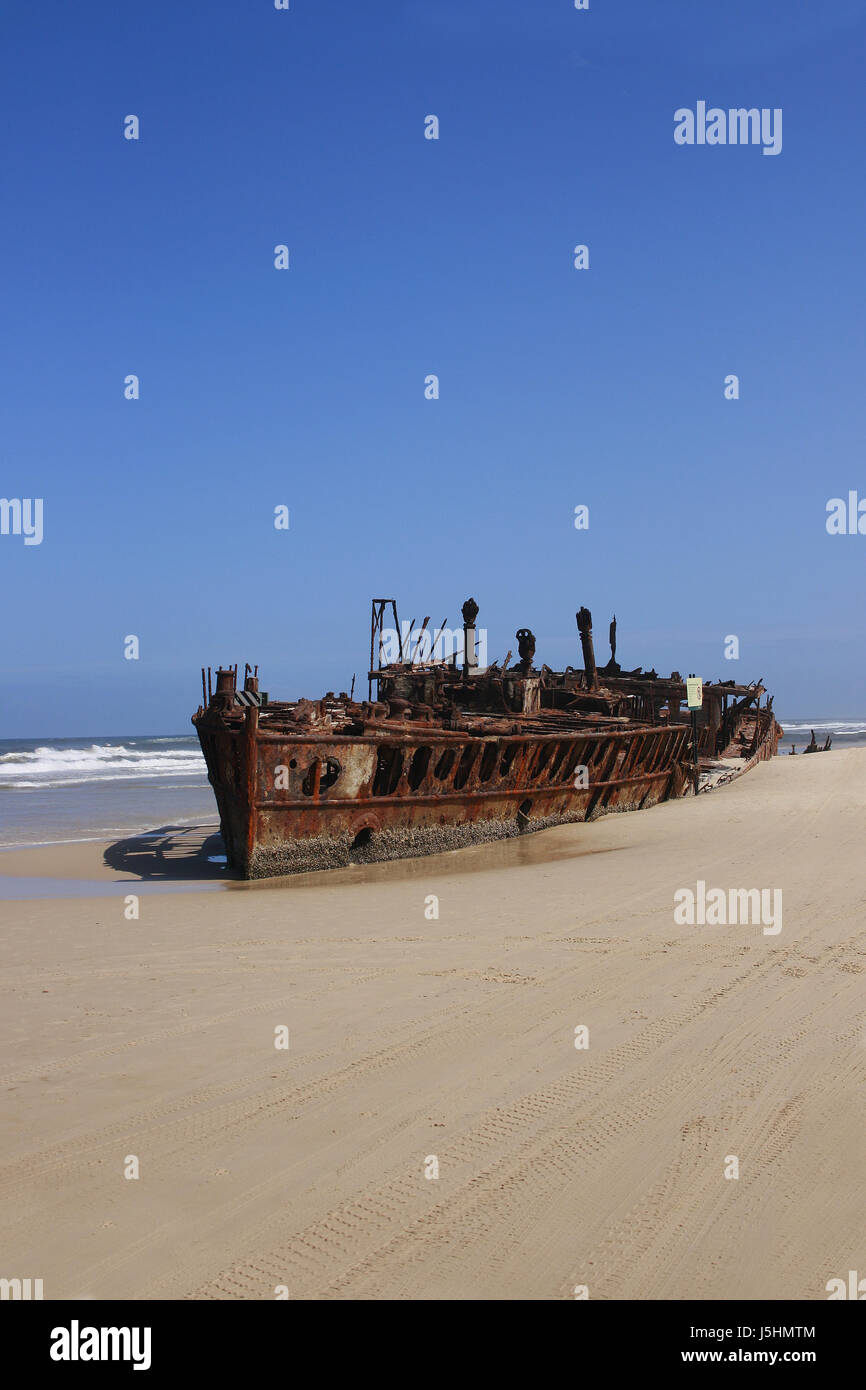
x=172, y=852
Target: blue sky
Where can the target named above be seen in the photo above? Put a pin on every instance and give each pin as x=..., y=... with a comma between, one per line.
x=408, y=257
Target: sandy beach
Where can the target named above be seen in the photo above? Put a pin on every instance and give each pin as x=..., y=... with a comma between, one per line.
x=414, y=1038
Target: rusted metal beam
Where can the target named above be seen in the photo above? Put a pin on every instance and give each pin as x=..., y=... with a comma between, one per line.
x=584, y=627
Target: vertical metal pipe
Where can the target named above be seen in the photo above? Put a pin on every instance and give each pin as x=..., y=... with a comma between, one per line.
x=584, y=627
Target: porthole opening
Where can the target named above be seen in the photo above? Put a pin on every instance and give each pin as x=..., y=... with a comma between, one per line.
x=445, y=764
x=488, y=761
x=418, y=767
x=330, y=772
x=389, y=766
x=508, y=757
x=464, y=767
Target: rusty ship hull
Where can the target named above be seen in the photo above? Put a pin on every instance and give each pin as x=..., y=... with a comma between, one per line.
x=403, y=794
x=445, y=758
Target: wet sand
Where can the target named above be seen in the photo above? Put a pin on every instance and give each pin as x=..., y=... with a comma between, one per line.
x=413, y=1037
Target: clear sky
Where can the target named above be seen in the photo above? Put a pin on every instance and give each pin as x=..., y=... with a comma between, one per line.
x=408, y=256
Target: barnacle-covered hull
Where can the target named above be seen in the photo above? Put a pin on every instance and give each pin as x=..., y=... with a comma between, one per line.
x=393, y=804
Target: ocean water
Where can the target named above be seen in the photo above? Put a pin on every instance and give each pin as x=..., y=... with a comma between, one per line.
x=844, y=733
x=60, y=790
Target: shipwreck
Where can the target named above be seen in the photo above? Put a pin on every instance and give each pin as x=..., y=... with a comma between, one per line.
x=447, y=753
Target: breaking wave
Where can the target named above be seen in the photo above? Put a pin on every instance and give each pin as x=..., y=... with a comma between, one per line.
x=49, y=766
x=838, y=726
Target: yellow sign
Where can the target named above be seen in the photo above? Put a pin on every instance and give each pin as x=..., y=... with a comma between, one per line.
x=694, y=692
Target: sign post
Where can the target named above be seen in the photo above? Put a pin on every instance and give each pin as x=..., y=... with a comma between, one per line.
x=694, y=700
